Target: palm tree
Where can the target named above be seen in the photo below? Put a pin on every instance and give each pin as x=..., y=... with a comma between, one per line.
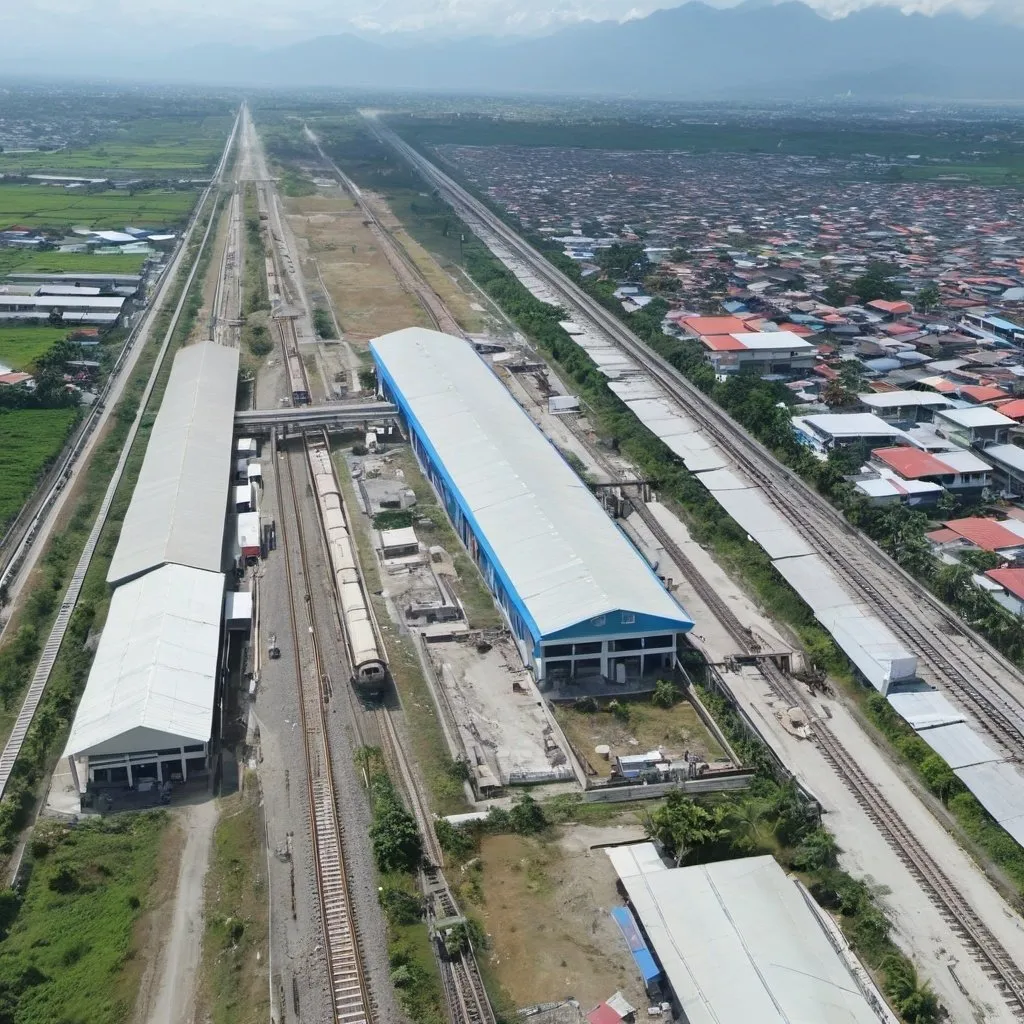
x=912, y=998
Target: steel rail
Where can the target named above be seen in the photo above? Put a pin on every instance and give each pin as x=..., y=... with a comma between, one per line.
x=350, y=995
x=969, y=669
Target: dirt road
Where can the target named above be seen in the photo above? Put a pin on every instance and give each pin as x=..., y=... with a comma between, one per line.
x=170, y=996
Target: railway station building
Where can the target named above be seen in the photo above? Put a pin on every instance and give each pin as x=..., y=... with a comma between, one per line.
x=147, y=712
x=581, y=601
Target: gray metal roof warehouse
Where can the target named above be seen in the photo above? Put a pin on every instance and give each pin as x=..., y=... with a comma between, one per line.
x=561, y=569
x=742, y=943
x=177, y=510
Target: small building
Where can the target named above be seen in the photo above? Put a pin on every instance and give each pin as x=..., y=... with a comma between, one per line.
x=974, y=426
x=891, y=309
x=238, y=609
x=1007, y=461
x=400, y=543
x=961, y=472
x=245, y=448
x=739, y=941
x=781, y=352
x=826, y=431
x=245, y=498
x=248, y=535
x=1004, y=538
x=904, y=406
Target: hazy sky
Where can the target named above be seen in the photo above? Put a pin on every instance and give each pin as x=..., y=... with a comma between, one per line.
x=34, y=25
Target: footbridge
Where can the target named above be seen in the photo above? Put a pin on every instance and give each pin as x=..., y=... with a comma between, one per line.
x=331, y=415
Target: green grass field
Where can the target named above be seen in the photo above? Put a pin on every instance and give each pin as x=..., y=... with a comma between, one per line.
x=68, y=956
x=29, y=440
x=21, y=346
x=189, y=145
x=41, y=206
x=15, y=262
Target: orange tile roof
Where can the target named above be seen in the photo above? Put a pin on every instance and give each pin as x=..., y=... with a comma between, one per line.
x=1014, y=409
x=980, y=393
x=988, y=534
x=1011, y=579
x=722, y=343
x=911, y=463
x=710, y=325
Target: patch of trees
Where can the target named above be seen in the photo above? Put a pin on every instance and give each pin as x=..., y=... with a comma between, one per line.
x=51, y=390
x=323, y=322
x=624, y=261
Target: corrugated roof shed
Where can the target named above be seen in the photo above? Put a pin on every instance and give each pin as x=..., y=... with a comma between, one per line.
x=546, y=534
x=177, y=510
x=739, y=942
x=153, y=680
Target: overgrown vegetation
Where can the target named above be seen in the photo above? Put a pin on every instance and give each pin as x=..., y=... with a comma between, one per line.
x=234, y=987
x=32, y=439
x=68, y=945
x=255, y=298
x=398, y=851
x=323, y=322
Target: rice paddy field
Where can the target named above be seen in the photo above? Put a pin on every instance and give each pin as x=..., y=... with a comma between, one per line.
x=188, y=145
x=21, y=346
x=41, y=206
x=32, y=438
x=13, y=261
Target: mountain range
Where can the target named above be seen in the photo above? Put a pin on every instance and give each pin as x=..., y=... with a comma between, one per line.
x=783, y=52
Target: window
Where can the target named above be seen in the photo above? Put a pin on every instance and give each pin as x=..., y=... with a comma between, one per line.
x=633, y=643
x=599, y=621
x=628, y=618
x=557, y=650
x=658, y=641
x=587, y=667
x=592, y=647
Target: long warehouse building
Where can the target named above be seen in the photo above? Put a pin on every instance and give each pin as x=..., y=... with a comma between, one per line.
x=148, y=705
x=580, y=599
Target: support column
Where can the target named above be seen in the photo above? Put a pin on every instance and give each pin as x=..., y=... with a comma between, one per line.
x=184, y=770
x=128, y=765
x=159, y=769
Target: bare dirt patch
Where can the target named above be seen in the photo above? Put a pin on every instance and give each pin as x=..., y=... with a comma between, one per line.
x=368, y=299
x=674, y=730
x=457, y=301
x=546, y=906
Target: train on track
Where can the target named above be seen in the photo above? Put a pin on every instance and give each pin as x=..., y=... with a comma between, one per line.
x=365, y=650
x=297, y=380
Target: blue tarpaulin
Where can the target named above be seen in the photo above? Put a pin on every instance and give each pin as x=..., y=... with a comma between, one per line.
x=641, y=954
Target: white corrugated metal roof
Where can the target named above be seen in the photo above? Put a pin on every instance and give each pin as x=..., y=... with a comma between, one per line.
x=851, y=424
x=565, y=558
x=901, y=399
x=1006, y=455
x=999, y=788
x=153, y=680
x=739, y=942
x=52, y=301
x=979, y=416
x=925, y=709
x=958, y=745
x=178, y=507
x=752, y=510
x=779, y=340
x=635, y=859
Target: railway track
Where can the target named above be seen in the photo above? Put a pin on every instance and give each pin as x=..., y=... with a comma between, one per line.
x=952, y=655
x=995, y=960
x=350, y=994
x=408, y=273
